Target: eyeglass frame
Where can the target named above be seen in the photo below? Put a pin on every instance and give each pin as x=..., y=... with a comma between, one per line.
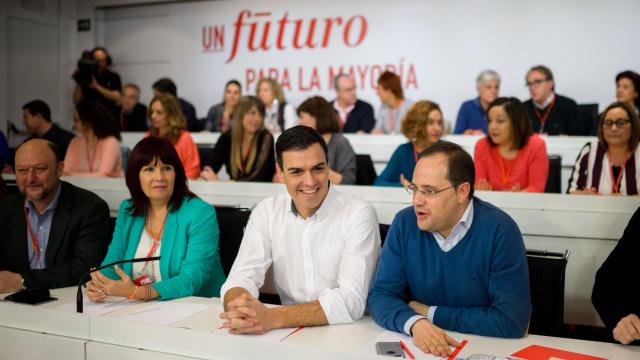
x=619, y=123
x=535, y=82
x=413, y=189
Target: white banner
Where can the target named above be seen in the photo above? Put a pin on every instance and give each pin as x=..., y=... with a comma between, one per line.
x=437, y=48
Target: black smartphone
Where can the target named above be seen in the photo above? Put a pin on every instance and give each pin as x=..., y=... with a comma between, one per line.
x=31, y=296
x=392, y=349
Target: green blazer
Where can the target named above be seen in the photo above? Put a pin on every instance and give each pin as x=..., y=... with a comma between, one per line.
x=190, y=260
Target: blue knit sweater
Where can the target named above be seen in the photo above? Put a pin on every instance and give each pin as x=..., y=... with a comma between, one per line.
x=471, y=116
x=402, y=161
x=481, y=286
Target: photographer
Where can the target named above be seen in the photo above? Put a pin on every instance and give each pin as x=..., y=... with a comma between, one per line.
x=94, y=80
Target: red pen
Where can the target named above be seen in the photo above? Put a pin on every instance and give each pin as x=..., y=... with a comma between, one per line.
x=406, y=349
x=457, y=350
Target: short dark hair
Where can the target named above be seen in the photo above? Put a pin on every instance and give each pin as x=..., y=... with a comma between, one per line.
x=545, y=71
x=520, y=122
x=323, y=112
x=166, y=86
x=635, y=125
x=146, y=151
x=460, y=168
x=101, y=119
x=634, y=77
x=103, y=49
x=390, y=81
x=36, y=107
x=299, y=137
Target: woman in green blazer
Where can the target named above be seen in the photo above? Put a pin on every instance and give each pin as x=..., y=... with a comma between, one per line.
x=162, y=218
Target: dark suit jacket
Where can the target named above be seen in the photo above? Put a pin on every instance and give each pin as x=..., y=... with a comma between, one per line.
x=360, y=118
x=78, y=240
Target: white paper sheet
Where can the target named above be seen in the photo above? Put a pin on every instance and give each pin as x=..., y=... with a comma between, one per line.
x=112, y=303
x=390, y=336
x=165, y=312
x=272, y=336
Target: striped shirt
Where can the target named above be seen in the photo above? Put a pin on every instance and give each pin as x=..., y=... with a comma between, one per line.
x=592, y=170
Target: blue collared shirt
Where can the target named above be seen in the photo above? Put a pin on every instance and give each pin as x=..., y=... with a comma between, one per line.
x=41, y=227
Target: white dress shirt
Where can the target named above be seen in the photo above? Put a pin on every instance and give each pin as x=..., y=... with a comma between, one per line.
x=459, y=230
x=330, y=256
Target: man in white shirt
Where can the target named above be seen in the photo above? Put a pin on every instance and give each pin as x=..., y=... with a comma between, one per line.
x=323, y=246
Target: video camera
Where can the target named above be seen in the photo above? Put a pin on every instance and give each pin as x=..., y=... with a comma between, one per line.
x=87, y=69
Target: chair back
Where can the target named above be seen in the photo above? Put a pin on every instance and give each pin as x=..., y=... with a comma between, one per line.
x=365, y=171
x=554, y=179
x=546, y=282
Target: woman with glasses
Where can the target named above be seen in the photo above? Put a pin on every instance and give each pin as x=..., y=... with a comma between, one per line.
x=423, y=126
x=609, y=165
x=511, y=157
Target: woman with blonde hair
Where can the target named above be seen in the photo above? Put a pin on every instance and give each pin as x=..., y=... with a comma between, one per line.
x=423, y=126
x=246, y=150
x=279, y=115
x=167, y=122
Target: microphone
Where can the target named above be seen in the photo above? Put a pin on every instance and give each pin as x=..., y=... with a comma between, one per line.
x=79, y=298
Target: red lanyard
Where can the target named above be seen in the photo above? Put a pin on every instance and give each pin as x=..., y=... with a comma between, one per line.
x=391, y=122
x=155, y=236
x=34, y=238
x=415, y=152
x=615, y=187
x=543, y=118
x=503, y=172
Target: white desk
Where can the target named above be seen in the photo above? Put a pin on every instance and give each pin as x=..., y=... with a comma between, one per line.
x=380, y=147
x=588, y=226
x=111, y=337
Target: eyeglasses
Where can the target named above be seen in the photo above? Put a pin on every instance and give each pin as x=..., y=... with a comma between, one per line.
x=535, y=82
x=428, y=192
x=617, y=122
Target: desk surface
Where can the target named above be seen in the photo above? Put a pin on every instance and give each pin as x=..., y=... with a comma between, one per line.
x=192, y=336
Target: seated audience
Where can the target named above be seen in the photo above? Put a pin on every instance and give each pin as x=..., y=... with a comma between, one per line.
x=511, y=157
x=610, y=165
x=166, y=86
x=132, y=115
x=627, y=88
x=317, y=113
x=279, y=114
x=321, y=244
x=354, y=115
x=101, y=84
x=394, y=105
x=167, y=122
x=219, y=116
x=451, y=262
x=4, y=151
x=615, y=296
x=472, y=119
x=549, y=112
x=36, y=117
x=52, y=232
x=423, y=126
x=162, y=218
x=246, y=150
x=96, y=152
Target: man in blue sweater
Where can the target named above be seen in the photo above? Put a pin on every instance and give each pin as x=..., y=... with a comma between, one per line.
x=451, y=261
